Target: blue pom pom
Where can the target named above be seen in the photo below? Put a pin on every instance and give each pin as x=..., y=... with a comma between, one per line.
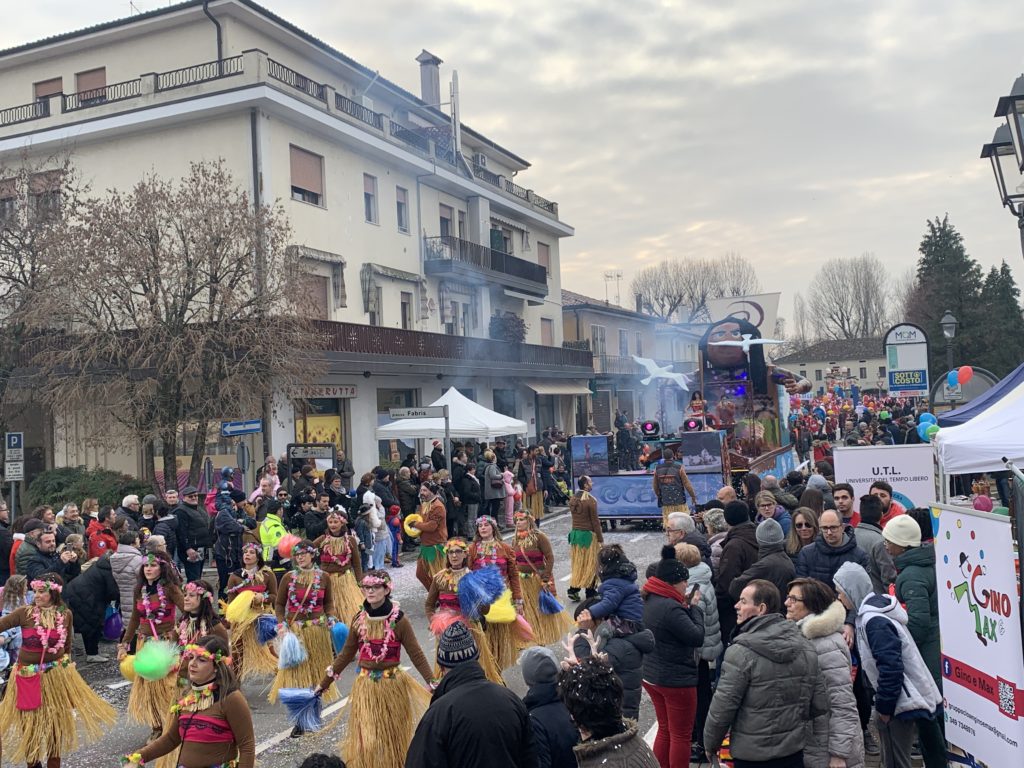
x=479, y=588
x=339, y=634
x=548, y=603
x=303, y=708
x=266, y=628
x=292, y=652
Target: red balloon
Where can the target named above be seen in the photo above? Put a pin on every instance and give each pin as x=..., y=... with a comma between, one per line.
x=964, y=374
x=286, y=544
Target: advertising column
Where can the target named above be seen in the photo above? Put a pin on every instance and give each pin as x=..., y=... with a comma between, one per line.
x=906, y=360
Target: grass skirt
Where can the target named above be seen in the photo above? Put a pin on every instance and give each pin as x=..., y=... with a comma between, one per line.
x=534, y=504
x=504, y=644
x=382, y=718
x=348, y=600
x=250, y=658
x=486, y=660
x=668, y=510
x=583, y=564
x=51, y=730
x=548, y=628
x=149, y=701
x=317, y=640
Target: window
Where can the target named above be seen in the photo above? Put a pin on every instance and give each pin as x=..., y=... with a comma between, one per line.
x=817, y=374
x=447, y=214
x=623, y=343
x=597, y=341
x=406, y=311
x=803, y=374
x=506, y=240
x=402, y=208
x=8, y=200
x=44, y=193
x=92, y=86
x=370, y=198
x=307, y=172
x=881, y=371
x=462, y=225
x=338, y=285
x=639, y=344
x=452, y=326
x=319, y=305
x=47, y=88
x=547, y=332
x=544, y=256
x=863, y=374
x=377, y=314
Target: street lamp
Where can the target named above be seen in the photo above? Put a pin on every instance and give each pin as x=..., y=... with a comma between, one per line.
x=1012, y=109
x=1009, y=179
x=948, y=323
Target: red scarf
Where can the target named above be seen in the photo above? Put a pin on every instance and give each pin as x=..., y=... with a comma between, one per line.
x=655, y=586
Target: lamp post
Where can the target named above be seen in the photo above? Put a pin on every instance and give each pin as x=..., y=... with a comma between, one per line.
x=1009, y=179
x=948, y=323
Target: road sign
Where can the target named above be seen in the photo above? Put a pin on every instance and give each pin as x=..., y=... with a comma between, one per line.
x=953, y=394
x=14, y=470
x=243, y=458
x=233, y=428
x=322, y=451
x=422, y=412
x=15, y=442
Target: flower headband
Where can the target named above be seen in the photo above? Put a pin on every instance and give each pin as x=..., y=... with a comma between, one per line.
x=487, y=519
x=53, y=586
x=370, y=580
x=253, y=547
x=299, y=549
x=456, y=543
x=521, y=514
x=194, y=588
x=198, y=652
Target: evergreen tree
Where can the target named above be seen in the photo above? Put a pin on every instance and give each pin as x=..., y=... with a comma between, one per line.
x=1002, y=348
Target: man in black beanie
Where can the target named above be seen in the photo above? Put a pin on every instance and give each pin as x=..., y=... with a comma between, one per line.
x=471, y=722
x=739, y=552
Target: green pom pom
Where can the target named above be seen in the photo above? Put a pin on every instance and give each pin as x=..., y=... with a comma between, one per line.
x=155, y=660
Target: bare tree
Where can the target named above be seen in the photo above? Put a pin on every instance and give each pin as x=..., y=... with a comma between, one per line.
x=736, y=276
x=182, y=304
x=849, y=298
x=801, y=323
x=682, y=287
x=901, y=294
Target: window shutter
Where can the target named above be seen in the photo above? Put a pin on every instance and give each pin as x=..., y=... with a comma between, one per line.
x=307, y=171
x=93, y=80
x=48, y=88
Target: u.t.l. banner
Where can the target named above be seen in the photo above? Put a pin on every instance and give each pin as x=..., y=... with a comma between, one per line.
x=979, y=619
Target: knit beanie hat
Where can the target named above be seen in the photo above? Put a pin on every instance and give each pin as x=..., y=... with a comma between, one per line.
x=737, y=512
x=456, y=646
x=818, y=482
x=903, y=531
x=769, y=532
x=540, y=665
x=670, y=570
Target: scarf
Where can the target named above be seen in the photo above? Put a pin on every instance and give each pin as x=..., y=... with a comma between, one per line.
x=655, y=586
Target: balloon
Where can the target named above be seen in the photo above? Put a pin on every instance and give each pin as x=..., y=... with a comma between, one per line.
x=952, y=378
x=927, y=418
x=964, y=374
x=155, y=660
x=286, y=544
x=1001, y=511
x=339, y=634
x=128, y=667
x=983, y=503
x=931, y=430
x=922, y=431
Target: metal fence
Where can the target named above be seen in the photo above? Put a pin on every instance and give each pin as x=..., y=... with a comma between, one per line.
x=199, y=73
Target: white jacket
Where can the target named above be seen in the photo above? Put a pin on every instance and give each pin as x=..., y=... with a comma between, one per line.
x=700, y=576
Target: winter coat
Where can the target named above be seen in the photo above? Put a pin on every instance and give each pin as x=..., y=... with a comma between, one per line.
x=438, y=460
x=472, y=723
x=818, y=560
x=6, y=543
x=101, y=540
x=315, y=524
x=490, y=474
x=623, y=750
x=773, y=564
x=408, y=496
x=228, y=545
x=41, y=563
x=554, y=734
x=715, y=541
x=89, y=594
x=880, y=566
x=619, y=595
x=22, y=554
x=700, y=576
x=781, y=516
x=915, y=588
x=193, y=528
x=678, y=639
x=739, y=552
x=470, y=490
x=626, y=655
x=699, y=540
x=788, y=500
x=837, y=733
x=125, y=565
x=167, y=526
x=768, y=690
x=903, y=685
x=387, y=498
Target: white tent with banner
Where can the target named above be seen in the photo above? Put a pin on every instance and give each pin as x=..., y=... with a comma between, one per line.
x=465, y=419
x=980, y=444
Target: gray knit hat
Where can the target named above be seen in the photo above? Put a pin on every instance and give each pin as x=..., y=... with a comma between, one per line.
x=540, y=665
x=456, y=646
x=769, y=532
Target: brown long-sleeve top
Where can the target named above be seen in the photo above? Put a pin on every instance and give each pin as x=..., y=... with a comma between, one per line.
x=147, y=612
x=376, y=630
x=493, y=552
x=339, y=554
x=534, y=553
x=263, y=581
x=191, y=630
x=583, y=510
x=214, y=736
x=314, y=604
x=433, y=527
x=32, y=651
x=443, y=592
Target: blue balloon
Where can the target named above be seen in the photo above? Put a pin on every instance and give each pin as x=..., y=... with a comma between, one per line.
x=951, y=379
x=927, y=418
x=339, y=634
x=922, y=432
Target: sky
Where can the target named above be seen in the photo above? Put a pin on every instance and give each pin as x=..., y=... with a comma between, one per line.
x=790, y=131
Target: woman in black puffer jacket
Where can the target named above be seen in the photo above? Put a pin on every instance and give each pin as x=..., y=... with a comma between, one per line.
x=88, y=596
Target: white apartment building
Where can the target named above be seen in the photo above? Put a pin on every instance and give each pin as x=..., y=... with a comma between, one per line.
x=411, y=226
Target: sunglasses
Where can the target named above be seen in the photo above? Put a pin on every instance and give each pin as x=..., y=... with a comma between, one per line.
x=802, y=525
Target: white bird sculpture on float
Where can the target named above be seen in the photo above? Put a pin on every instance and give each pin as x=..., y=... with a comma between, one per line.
x=655, y=371
x=748, y=341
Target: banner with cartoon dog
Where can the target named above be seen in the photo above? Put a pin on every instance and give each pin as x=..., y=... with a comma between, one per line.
x=979, y=619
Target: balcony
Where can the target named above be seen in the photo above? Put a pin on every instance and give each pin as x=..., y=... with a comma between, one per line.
x=615, y=365
x=394, y=348
x=475, y=263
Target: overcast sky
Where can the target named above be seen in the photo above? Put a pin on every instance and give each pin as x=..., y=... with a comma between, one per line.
x=790, y=131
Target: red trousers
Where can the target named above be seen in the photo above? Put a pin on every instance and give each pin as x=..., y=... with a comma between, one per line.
x=675, y=708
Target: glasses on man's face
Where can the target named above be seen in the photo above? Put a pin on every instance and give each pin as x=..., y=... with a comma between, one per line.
x=802, y=525
x=830, y=528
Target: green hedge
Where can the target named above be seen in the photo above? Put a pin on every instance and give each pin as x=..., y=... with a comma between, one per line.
x=57, y=487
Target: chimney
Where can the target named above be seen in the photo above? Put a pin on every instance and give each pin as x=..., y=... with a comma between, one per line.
x=430, y=78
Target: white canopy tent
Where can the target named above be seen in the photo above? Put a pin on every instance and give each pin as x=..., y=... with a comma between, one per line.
x=465, y=419
x=978, y=445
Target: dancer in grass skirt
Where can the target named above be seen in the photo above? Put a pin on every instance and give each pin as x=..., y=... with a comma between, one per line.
x=157, y=595
x=200, y=617
x=488, y=549
x=211, y=725
x=305, y=606
x=385, y=702
x=340, y=560
x=536, y=563
x=585, y=540
x=254, y=586
x=443, y=609
x=433, y=528
x=46, y=695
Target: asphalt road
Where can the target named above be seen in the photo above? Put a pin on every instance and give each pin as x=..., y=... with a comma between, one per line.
x=274, y=748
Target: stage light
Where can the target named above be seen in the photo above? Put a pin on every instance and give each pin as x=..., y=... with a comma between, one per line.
x=692, y=425
x=650, y=428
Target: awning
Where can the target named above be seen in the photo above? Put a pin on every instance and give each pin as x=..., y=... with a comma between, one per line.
x=533, y=301
x=555, y=387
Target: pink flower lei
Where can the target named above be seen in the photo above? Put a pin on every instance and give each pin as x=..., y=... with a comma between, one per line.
x=187, y=637
x=44, y=633
x=161, y=609
x=389, y=634
x=300, y=606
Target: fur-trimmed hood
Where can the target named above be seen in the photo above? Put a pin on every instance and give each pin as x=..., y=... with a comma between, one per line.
x=825, y=623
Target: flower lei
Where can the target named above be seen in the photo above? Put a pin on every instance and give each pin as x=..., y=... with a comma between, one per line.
x=389, y=633
x=487, y=551
x=299, y=606
x=198, y=699
x=161, y=609
x=44, y=632
x=343, y=558
x=189, y=631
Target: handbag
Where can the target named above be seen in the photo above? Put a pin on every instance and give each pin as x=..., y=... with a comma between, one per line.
x=497, y=482
x=113, y=624
x=28, y=689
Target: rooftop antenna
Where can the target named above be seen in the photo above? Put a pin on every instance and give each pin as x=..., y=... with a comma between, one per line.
x=616, y=276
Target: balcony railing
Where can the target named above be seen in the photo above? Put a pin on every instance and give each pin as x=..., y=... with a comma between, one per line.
x=371, y=340
x=199, y=73
x=489, y=176
x=289, y=76
x=458, y=250
x=129, y=89
x=615, y=364
x=359, y=112
x=514, y=189
x=33, y=111
x=411, y=138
